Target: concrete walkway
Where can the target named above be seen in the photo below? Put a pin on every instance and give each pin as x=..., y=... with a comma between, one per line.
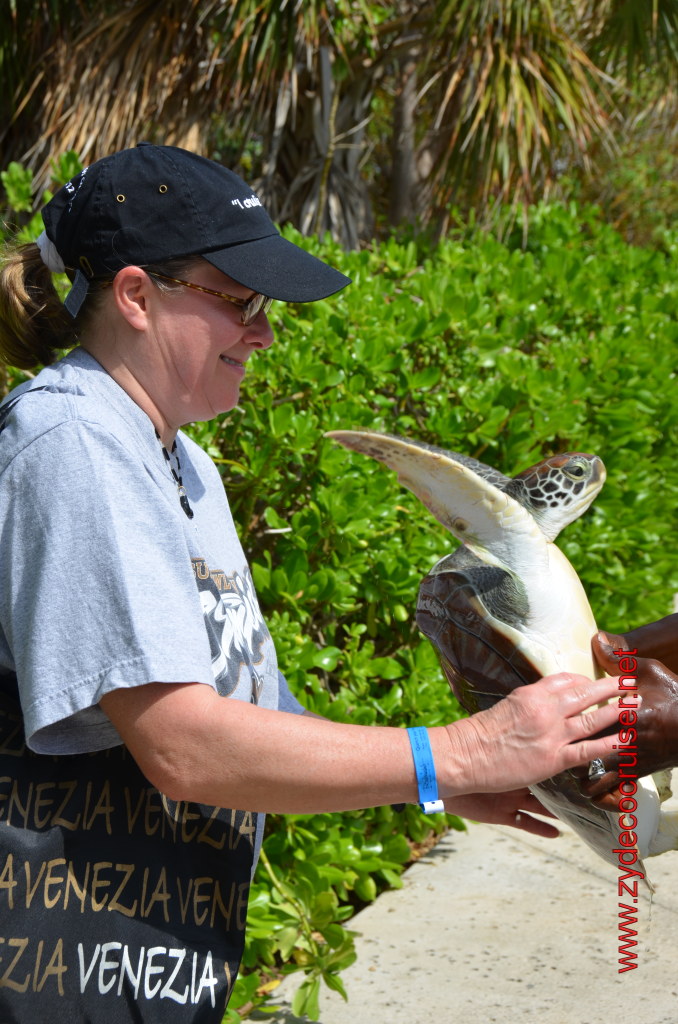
x=498, y=927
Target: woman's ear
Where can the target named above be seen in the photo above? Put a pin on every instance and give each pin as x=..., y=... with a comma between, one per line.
x=131, y=290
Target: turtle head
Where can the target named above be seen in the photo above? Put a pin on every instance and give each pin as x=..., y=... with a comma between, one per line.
x=558, y=490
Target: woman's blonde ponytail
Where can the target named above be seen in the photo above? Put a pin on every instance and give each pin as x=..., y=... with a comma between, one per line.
x=33, y=321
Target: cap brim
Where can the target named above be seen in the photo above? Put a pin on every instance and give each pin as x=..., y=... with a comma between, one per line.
x=278, y=268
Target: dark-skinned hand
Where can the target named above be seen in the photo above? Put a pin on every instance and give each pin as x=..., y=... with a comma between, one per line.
x=656, y=721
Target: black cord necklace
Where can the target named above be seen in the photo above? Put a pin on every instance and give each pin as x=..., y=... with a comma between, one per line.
x=176, y=473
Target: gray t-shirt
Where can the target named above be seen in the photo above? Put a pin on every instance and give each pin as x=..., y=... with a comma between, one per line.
x=104, y=581
x=135, y=904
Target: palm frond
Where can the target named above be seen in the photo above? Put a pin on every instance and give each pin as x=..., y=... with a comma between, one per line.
x=515, y=82
x=629, y=36
x=329, y=104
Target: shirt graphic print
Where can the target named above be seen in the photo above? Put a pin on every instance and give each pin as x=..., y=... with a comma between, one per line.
x=236, y=630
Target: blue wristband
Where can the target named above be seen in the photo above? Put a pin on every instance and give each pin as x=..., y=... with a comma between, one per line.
x=425, y=770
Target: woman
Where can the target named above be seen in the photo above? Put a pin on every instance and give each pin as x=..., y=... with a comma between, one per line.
x=127, y=615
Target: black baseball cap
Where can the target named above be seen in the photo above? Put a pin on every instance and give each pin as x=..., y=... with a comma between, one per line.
x=150, y=204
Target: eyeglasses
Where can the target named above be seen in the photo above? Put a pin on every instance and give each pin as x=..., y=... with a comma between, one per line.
x=250, y=308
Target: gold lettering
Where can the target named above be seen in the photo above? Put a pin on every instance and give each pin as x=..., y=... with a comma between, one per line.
x=36, y=811
x=56, y=966
x=58, y=819
x=3, y=796
x=170, y=818
x=97, y=884
x=204, y=838
x=15, y=801
x=72, y=883
x=88, y=793
x=186, y=834
x=7, y=879
x=49, y=880
x=5, y=980
x=199, y=916
x=217, y=901
x=152, y=795
x=200, y=569
x=30, y=892
x=40, y=802
x=183, y=903
x=37, y=963
x=132, y=815
x=128, y=870
x=246, y=830
x=249, y=826
x=103, y=806
x=160, y=895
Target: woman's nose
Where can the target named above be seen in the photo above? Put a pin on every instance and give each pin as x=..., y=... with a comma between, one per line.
x=259, y=332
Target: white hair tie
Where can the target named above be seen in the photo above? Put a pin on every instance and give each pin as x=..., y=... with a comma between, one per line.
x=49, y=254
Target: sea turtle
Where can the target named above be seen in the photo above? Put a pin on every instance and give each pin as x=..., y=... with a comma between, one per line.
x=506, y=607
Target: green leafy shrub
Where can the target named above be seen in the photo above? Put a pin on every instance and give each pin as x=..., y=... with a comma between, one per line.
x=504, y=353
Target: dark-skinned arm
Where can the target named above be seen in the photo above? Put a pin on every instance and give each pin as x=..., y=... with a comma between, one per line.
x=658, y=640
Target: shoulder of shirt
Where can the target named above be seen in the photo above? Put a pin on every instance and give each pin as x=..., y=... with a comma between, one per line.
x=76, y=391
x=78, y=394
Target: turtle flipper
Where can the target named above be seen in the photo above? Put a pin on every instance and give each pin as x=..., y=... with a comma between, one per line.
x=470, y=506
x=598, y=828
x=481, y=664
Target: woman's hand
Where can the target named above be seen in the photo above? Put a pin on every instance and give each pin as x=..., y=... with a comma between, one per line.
x=504, y=809
x=534, y=733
